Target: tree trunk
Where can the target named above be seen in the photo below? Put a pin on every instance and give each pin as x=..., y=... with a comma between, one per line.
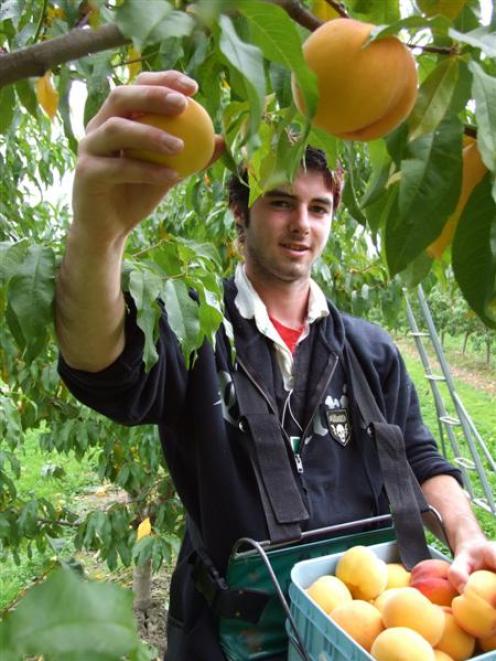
x=142, y=586
x=465, y=340
x=488, y=351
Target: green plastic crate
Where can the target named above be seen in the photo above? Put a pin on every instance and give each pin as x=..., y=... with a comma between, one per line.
x=323, y=640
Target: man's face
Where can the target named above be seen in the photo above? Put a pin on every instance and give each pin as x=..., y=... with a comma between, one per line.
x=288, y=229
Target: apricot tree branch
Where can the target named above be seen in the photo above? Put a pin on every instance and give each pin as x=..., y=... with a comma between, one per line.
x=339, y=7
x=36, y=60
x=442, y=50
x=299, y=13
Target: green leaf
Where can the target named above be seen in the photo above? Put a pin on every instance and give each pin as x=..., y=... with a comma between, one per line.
x=484, y=92
x=144, y=287
x=7, y=104
x=11, y=255
x=66, y=618
x=434, y=98
x=327, y=142
x=413, y=24
x=142, y=26
x=65, y=83
x=98, y=91
x=381, y=165
x=278, y=38
x=429, y=189
x=30, y=296
x=247, y=62
x=483, y=38
x=27, y=96
x=474, y=252
x=182, y=315
x=375, y=12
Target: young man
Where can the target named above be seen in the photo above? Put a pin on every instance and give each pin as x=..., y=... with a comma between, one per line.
x=289, y=349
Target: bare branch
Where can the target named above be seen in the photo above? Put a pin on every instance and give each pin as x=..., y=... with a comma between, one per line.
x=441, y=50
x=299, y=13
x=36, y=60
x=339, y=7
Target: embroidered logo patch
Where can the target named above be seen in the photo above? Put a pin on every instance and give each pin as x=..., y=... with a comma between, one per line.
x=339, y=425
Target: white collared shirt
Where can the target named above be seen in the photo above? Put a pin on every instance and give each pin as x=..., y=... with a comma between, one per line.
x=251, y=306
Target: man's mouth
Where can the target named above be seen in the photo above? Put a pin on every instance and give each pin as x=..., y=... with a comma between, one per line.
x=295, y=247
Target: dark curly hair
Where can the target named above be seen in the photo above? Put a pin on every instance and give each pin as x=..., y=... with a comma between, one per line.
x=314, y=159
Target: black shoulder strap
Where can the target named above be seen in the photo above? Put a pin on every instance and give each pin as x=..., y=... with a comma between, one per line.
x=281, y=498
x=403, y=490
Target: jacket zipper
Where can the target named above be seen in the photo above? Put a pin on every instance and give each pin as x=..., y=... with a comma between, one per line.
x=297, y=455
x=297, y=459
x=304, y=434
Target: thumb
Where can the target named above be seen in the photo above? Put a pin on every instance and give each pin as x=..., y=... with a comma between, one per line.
x=459, y=572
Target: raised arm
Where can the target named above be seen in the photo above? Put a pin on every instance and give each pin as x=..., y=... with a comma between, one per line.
x=112, y=194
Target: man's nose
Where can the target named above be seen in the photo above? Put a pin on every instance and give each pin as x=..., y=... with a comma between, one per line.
x=300, y=219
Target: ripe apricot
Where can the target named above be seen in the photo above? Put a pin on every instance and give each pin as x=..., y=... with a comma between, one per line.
x=360, y=620
x=329, y=592
x=488, y=644
x=365, y=91
x=431, y=578
x=194, y=126
x=475, y=608
x=401, y=644
x=408, y=607
x=383, y=597
x=398, y=576
x=455, y=641
x=362, y=572
x=473, y=171
x=442, y=656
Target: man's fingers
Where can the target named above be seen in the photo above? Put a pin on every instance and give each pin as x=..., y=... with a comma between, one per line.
x=458, y=573
x=121, y=170
x=119, y=133
x=128, y=100
x=173, y=79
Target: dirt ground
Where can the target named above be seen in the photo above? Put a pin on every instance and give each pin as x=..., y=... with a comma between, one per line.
x=480, y=376
x=151, y=623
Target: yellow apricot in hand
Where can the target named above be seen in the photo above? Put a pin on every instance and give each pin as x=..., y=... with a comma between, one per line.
x=360, y=620
x=475, y=608
x=329, y=592
x=194, y=126
x=362, y=572
x=408, y=607
x=401, y=644
x=365, y=91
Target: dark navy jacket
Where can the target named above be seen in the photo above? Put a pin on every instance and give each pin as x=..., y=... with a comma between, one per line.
x=208, y=453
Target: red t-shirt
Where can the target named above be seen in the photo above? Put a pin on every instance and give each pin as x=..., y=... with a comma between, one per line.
x=289, y=335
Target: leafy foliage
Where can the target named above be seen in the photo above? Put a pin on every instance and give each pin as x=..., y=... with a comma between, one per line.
x=399, y=193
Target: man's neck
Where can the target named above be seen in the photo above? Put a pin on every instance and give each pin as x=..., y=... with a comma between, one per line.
x=285, y=301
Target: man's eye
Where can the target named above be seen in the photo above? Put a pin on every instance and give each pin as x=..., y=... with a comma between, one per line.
x=280, y=203
x=321, y=211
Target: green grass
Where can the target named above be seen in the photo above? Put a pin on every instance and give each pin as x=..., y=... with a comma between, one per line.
x=78, y=477
x=480, y=406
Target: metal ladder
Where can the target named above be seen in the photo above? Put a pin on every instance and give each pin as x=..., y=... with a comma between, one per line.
x=466, y=452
